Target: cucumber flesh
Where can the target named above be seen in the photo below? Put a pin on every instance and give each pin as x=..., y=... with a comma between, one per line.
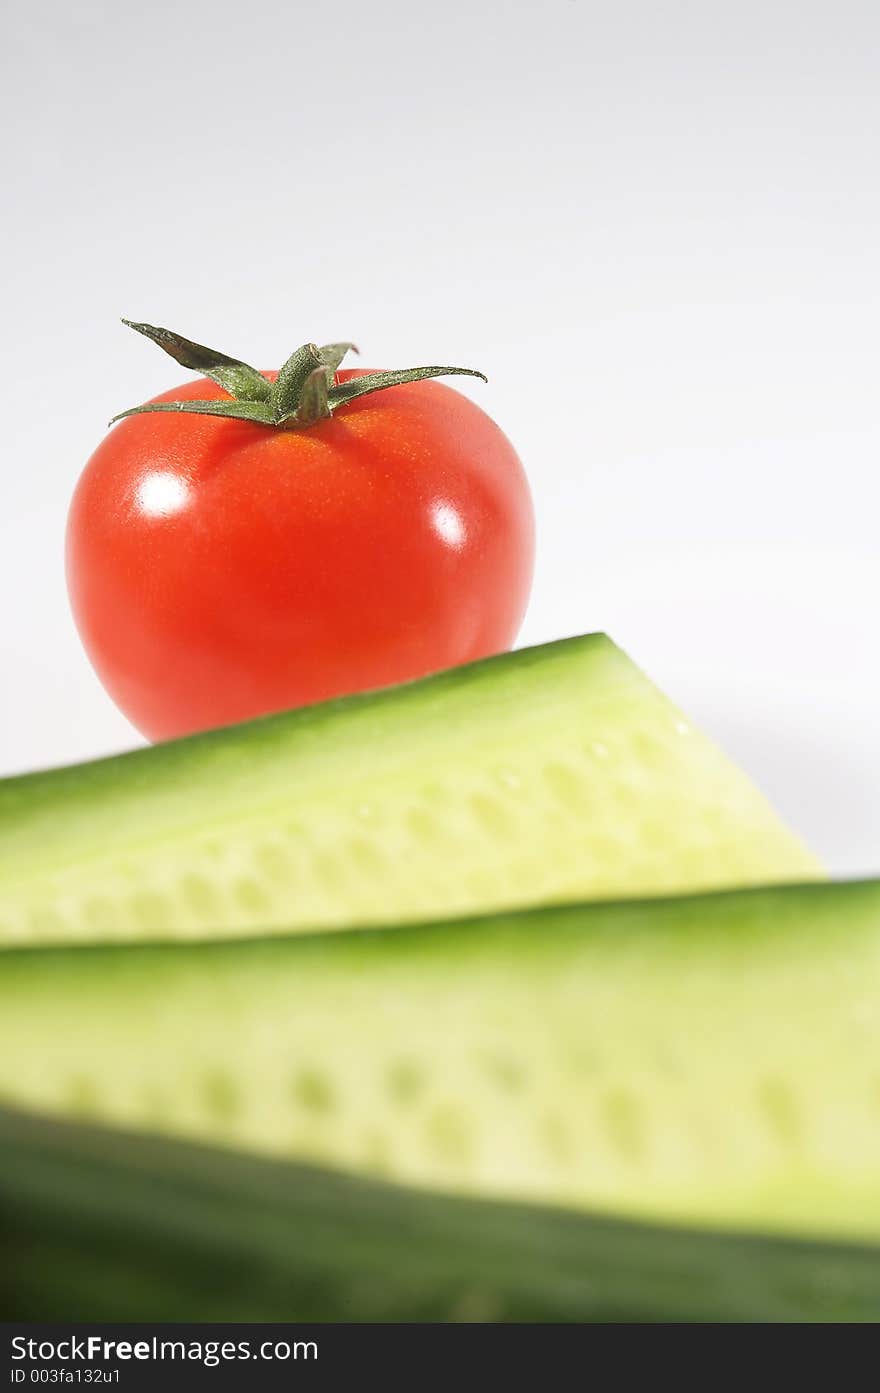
x=555, y=773
x=100, y=1225
x=711, y=1060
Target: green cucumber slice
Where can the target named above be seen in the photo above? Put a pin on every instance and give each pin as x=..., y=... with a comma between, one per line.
x=554, y=773
x=100, y=1225
x=711, y=1060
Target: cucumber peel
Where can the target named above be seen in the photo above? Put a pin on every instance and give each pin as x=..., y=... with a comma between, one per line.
x=102, y=1225
x=708, y=1061
x=551, y=774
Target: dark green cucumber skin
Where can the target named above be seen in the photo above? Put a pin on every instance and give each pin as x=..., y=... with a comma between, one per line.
x=103, y=1225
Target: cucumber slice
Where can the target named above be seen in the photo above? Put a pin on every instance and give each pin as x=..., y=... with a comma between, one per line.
x=99, y=1225
x=710, y=1060
x=554, y=773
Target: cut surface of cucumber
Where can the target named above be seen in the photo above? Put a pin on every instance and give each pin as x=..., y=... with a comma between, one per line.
x=101, y=1225
x=554, y=773
x=711, y=1060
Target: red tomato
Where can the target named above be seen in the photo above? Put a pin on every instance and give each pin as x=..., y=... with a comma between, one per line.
x=220, y=570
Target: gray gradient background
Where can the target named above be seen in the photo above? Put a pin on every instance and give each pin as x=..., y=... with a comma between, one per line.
x=655, y=225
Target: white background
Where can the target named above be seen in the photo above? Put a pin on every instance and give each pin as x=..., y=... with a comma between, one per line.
x=655, y=225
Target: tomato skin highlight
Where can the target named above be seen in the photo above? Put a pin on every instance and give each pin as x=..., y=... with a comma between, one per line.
x=220, y=570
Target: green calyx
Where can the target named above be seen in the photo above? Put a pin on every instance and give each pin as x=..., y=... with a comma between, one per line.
x=304, y=392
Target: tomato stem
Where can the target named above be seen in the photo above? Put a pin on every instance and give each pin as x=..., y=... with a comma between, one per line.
x=305, y=391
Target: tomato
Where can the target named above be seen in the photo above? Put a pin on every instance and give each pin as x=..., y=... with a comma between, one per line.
x=220, y=569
